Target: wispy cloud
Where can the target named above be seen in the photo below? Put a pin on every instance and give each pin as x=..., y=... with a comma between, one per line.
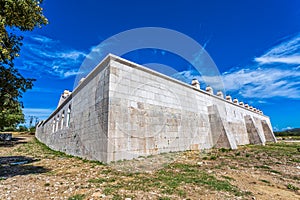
x=287, y=52
x=274, y=74
x=282, y=129
x=41, y=113
x=271, y=60
x=45, y=56
x=188, y=75
x=264, y=82
x=277, y=129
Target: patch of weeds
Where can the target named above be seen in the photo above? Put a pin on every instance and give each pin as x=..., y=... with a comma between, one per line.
x=19, y=149
x=45, y=149
x=295, y=160
x=96, y=162
x=224, y=150
x=101, y=180
x=265, y=181
x=117, y=197
x=274, y=171
x=108, y=190
x=228, y=178
x=247, y=155
x=282, y=149
x=181, y=193
x=132, y=174
x=241, y=158
x=38, y=149
x=164, y=198
x=213, y=157
x=292, y=187
x=238, y=153
x=262, y=166
x=2, y=178
x=178, y=174
x=51, y=173
x=77, y=197
x=150, y=156
x=296, y=177
x=246, y=165
x=47, y=184
x=233, y=167
x=222, y=164
x=111, y=189
x=228, y=155
x=106, y=171
x=247, y=193
x=205, y=158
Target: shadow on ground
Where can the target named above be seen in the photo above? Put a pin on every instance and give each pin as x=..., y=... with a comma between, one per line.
x=19, y=165
x=13, y=141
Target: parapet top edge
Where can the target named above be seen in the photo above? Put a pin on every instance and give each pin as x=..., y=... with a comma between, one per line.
x=113, y=57
x=80, y=86
x=145, y=69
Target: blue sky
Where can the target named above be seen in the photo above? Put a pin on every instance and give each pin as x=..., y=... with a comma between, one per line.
x=255, y=45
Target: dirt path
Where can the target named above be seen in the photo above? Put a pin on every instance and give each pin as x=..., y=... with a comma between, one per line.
x=30, y=171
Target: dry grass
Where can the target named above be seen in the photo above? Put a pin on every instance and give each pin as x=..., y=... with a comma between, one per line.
x=263, y=172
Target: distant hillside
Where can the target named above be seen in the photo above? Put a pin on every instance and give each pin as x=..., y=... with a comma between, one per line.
x=290, y=132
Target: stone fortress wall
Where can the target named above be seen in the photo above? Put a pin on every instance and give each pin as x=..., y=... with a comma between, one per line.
x=123, y=110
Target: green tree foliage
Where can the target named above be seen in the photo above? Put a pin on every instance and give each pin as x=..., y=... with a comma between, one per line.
x=291, y=132
x=22, y=15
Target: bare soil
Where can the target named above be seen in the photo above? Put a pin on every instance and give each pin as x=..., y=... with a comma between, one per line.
x=28, y=170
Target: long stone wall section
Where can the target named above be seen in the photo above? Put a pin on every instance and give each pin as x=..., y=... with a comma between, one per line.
x=85, y=135
x=123, y=110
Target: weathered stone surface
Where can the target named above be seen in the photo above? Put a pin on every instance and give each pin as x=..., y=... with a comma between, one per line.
x=220, y=137
x=268, y=132
x=122, y=110
x=252, y=130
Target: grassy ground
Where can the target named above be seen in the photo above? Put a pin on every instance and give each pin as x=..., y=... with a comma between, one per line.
x=262, y=172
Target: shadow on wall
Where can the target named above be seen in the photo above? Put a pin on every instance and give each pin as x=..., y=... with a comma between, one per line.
x=19, y=165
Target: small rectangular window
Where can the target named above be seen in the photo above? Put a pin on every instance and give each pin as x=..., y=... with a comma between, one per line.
x=57, y=123
x=62, y=120
x=68, y=116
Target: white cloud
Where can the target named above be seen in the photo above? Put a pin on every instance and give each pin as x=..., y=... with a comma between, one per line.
x=287, y=52
x=71, y=54
x=45, y=56
x=289, y=128
x=71, y=73
x=41, y=38
x=264, y=83
x=41, y=113
x=270, y=59
x=282, y=129
x=253, y=82
x=261, y=102
x=274, y=74
x=188, y=75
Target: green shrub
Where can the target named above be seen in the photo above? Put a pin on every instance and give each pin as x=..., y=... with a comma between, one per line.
x=77, y=197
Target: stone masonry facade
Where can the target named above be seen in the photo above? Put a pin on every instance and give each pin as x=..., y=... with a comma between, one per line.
x=123, y=110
